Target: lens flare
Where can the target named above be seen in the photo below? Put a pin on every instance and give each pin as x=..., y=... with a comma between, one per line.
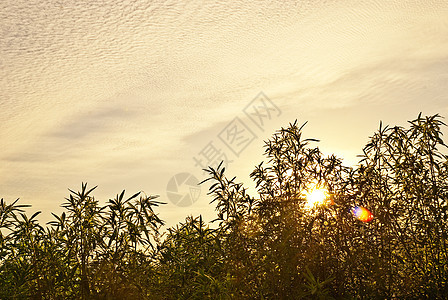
x=362, y=214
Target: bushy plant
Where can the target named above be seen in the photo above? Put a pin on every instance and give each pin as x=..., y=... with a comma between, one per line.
x=271, y=245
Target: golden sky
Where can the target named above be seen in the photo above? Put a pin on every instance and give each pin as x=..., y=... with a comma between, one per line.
x=123, y=94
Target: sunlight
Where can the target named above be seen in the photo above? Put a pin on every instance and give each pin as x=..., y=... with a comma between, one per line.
x=315, y=196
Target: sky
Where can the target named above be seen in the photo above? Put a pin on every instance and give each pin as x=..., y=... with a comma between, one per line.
x=127, y=94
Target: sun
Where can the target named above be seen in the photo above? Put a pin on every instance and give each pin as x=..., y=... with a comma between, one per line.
x=315, y=196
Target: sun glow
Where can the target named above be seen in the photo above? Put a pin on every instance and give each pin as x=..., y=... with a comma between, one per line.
x=315, y=196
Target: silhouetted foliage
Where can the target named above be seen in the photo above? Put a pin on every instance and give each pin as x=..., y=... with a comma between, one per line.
x=88, y=252
x=269, y=246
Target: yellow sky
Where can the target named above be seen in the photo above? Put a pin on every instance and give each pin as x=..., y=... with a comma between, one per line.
x=124, y=94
